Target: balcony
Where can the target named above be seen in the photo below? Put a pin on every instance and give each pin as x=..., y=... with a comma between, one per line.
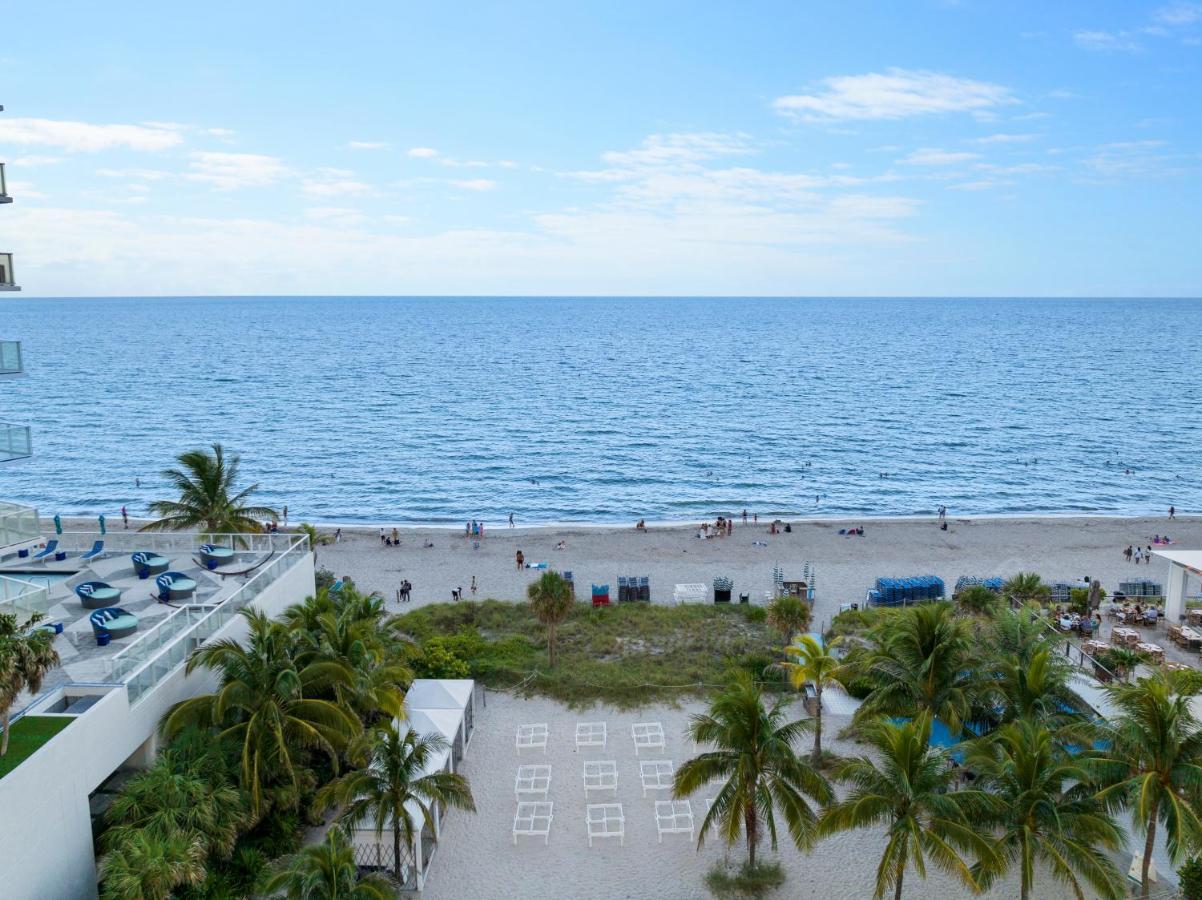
x=18, y=525
x=6, y=273
x=11, y=363
x=4, y=198
x=15, y=442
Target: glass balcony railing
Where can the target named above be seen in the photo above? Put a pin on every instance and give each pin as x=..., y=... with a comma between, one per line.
x=16, y=442
x=7, y=282
x=10, y=359
x=4, y=198
x=22, y=597
x=18, y=524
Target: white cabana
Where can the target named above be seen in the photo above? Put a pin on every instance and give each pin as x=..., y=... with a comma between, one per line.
x=590, y=734
x=532, y=737
x=647, y=735
x=532, y=780
x=600, y=775
x=690, y=593
x=605, y=820
x=673, y=817
x=447, y=693
x=533, y=820
x=656, y=775
x=1182, y=564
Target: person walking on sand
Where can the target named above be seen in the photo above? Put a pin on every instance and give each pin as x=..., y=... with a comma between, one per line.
x=1148, y=555
x=511, y=520
x=285, y=515
x=744, y=517
x=1172, y=512
x=125, y=516
x=519, y=559
x=396, y=538
x=1139, y=556
x=338, y=536
x=1127, y=553
x=473, y=585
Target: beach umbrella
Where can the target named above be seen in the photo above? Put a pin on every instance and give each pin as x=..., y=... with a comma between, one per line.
x=58, y=524
x=102, y=523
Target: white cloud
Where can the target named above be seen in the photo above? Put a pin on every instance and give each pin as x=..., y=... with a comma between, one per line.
x=1178, y=14
x=228, y=171
x=338, y=216
x=894, y=94
x=225, y=133
x=367, y=145
x=334, y=185
x=659, y=149
x=474, y=184
x=141, y=174
x=86, y=137
x=982, y=185
x=1106, y=41
x=1131, y=159
x=423, y=152
x=931, y=156
x=1005, y=139
x=34, y=159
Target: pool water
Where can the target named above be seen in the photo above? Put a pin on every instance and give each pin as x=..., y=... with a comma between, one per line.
x=41, y=579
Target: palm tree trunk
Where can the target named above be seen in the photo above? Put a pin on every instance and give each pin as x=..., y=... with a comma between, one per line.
x=897, y=890
x=396, y=853
x=551, y=642
x=751, y=824
x=1151, y=838
x=818, y=725
x=5, y=726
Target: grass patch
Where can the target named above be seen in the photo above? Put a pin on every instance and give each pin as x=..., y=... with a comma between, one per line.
x=627, y=655
x=27, y=734
x=745, y=881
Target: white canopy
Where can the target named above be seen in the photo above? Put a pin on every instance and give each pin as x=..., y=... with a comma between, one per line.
x=439, y=693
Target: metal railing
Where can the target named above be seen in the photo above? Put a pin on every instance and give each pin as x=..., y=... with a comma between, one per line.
x=22, y=597
x=4, y=198
x=10, y=358
x=16, y=442
x=18, y=524
x=7, y=281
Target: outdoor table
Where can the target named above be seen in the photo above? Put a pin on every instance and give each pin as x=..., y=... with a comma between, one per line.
x=1190, y=637
x=1153, y=650
x=1124, y=636
x=1194, y=616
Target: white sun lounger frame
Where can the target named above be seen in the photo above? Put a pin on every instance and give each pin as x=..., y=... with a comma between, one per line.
x=590, y=734
x=532, y=737
x=605, y=820
x=533, y=819
x=600, y=775
x=647, y=736
x=673, y=817
x=532, y=780
x=656, y=774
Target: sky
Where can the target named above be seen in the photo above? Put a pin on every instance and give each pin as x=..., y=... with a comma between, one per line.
x=921, y=148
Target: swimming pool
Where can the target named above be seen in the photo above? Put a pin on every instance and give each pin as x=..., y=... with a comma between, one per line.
x=42, y=579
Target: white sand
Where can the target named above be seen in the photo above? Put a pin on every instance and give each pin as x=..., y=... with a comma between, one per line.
x=1058, y=549
x=477, y=859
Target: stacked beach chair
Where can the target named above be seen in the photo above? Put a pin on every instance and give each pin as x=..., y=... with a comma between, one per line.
x=722, y=588
x=906, y=591
x=967, y=581
x=634, y=589
x=1142, y=588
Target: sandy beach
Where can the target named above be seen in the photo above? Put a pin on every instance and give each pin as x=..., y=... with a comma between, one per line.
x=1057, y=548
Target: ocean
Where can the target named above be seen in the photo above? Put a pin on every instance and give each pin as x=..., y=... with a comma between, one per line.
x=599, y=410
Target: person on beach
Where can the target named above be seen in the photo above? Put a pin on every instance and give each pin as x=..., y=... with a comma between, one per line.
x=125, y=517
x=396, y=538
x=744, y=517
x=520, y=559
x=473, y=585
x=338, y=536
x=562, y=545
x=1128, y=552
x=1139, y=556
x=383, y=536
x=511, y=520
x=1148, y=555
x=285, y=515
x=640, y=525
x=1172, y=512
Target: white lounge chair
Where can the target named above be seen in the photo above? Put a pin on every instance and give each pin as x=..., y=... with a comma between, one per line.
x=533, y=820
x=600, y=775
x=673, y=817
x=656, y=775
x=605, y=820
x=590, y=734
x=532, y=780
x=647, y=736
x=532, y=737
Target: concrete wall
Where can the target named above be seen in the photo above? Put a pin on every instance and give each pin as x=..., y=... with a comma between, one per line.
x=45, y=825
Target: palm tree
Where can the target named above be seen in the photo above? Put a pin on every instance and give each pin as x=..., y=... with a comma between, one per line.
x=1019, y=634
x=326, y=871
x=978, y=600
x=551, y=599
x=316, y=538
x=267, y=704
x=911, y=792
x=789, y=615
x=1152, y=763
x=818, y=666
x=1046, y=813
x=389, y=779
x=1026, y=587
x=150, y=866
x=170, y=799
x=754, y=755
x=924, y=660
x=206, y=497
x=27, y=654
x=1038, y=690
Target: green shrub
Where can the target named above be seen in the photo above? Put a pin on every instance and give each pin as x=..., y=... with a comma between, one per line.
x=745, y=883
x=438, y=660
x=755, y=614
x=323, y=579
x=1189, y=879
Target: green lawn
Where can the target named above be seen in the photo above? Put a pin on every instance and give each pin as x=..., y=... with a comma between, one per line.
x=28, y=734
x=626, y=655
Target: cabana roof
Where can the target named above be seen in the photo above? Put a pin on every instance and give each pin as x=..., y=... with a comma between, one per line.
x=441, y=693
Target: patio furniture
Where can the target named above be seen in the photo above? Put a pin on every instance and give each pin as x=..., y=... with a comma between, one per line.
x=656, y=775
x=647, y=735
x=1124, y=637
x=1194, y=616
x=532, y=737
x=533, y=820
x=1154, y=652
x=532, y=780
x=96, y=552
x=590, y=734
x=212, y=556
x=693, y=593
x=147, y=563
x=600, y=775
x=112, y=622
x=1190, y=637
x=46, y=552
x=722, y=588
x=51, y=628
x=600, y=595
x=97, y=594
x=605, y=820
x=673, y=817
x=175, y=586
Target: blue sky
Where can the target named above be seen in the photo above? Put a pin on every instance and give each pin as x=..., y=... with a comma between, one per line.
x=900, y=148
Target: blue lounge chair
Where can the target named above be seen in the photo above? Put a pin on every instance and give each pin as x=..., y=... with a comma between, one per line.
x=49, y=550
x=175, y=586
x=97, y=594
x=97, y=550
x=147, y=564
x=112, y=622
x=212, y=556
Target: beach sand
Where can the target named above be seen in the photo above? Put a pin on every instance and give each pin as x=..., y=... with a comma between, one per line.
x=476, y=857
x=1059, y=549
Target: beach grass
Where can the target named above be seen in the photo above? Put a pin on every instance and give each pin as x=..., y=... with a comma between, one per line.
x=627, y=655
x=27, y=735
x=744, y=882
